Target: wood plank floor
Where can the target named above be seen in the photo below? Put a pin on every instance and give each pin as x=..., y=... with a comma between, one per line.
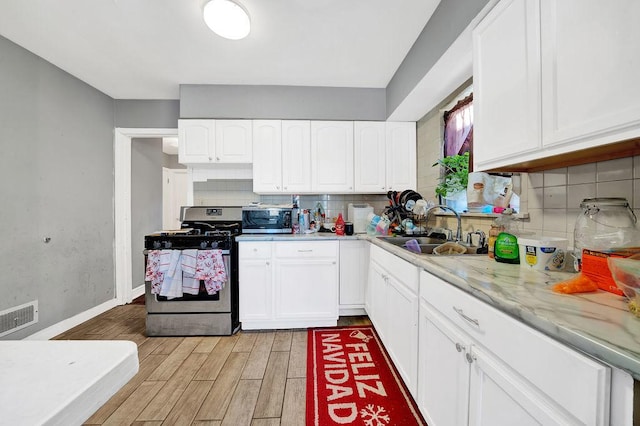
x=251, y=378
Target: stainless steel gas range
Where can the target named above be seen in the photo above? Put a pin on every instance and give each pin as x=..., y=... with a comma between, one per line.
x=200, y=308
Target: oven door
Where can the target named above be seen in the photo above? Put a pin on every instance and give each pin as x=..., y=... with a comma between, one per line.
x=266, y=221
x=203, y=302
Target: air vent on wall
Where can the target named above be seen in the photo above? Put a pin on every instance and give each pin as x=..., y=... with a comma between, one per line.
x=18, y=317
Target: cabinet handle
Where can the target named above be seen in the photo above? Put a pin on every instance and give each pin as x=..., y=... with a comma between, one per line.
x=459, y=347
x=462, y=314
x=470, y=357
x=217, y=158
x=210, y=158
x=277, y=187
x=268, y=263
x=305, y=251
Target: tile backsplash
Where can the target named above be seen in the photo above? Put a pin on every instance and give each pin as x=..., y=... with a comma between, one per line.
x=553, y=196
x=240, y=192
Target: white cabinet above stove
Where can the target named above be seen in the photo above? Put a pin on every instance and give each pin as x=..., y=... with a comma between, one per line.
x=215, y=141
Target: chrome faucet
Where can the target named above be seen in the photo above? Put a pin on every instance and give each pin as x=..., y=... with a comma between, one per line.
x=443, y=207
x=481, y=241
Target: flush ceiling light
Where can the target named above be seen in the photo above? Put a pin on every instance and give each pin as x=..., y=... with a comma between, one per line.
x=227, y=19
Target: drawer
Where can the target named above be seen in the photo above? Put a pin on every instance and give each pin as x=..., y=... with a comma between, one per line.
x=403, y=271
x=254, y=250
x=576, y=382
x=306, y=249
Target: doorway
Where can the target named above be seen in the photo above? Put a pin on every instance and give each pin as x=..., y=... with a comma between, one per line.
x=124, y=292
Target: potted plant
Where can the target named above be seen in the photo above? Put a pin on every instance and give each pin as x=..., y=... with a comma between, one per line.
x=454, y=179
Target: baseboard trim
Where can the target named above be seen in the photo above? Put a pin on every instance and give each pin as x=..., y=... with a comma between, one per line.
x=137, y=292
x=69, y=323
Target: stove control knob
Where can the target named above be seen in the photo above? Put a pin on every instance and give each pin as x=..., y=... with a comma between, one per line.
x=214, y=244
x=167, y=244
x=157, y=244
x=203, y=245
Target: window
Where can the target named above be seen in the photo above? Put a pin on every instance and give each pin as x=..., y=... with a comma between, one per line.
x=458, y=129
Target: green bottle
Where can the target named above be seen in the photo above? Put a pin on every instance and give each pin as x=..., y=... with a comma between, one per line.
x=506, y=248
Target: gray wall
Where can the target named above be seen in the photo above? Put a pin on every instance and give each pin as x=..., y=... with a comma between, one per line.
x=146, y=199
x=146, y=114
x=56, y=181
x=281, y=102
x=448, y=21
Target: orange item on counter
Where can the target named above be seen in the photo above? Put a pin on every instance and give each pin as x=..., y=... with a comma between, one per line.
x=578, y=284
x=595, y=266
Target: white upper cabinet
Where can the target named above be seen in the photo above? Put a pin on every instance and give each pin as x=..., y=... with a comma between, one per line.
x=331, y=156
x=267, y=156
x=214, y=141
x=401, y=155
x=196, y=141
x=233, y=141
x=385, y=156
x=506, y=84
x=590, y=71
x=553, y=78
x=369, y=155
x=296, y=156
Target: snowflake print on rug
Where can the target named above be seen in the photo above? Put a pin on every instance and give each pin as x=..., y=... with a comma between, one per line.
x=351, y=381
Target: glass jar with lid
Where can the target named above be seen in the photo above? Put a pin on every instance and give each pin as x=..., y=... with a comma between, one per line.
x=604, y=223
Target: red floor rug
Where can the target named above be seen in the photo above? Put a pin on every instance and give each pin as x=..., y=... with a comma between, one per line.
x=351, y=381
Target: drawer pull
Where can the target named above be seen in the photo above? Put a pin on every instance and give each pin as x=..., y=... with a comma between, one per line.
x=462, y=314
x=459, y=347
x=305, y=251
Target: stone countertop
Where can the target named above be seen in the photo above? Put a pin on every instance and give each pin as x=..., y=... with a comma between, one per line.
x=315, y=236
x=598, y=324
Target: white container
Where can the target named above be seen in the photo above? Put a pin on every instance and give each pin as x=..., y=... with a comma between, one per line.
x=359, y=215
x=543, y=253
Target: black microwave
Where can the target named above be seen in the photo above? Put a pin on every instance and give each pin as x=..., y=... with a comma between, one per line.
x=260, y=219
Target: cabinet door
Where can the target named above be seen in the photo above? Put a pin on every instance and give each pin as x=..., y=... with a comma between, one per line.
x=267, y=156
x=233, y=141
x=306, y=289
x=296, y=156
x=255, y=290
x=402, y=331
x=590, y=71
x=369, y=157
x=498, y=397
x=506, y=83
x=255, y=281
x=332, y=156
x=377, y=298
x=443, y=372
x=400, y=155
x=354, y=263
x=196, y=141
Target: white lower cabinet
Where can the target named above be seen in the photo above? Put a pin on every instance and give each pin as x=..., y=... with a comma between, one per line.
x=392, y=306
x=354, y=266
x=288, y=284
x=478, y=366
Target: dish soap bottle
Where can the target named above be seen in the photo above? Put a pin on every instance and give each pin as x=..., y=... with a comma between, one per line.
x=506, y=245
x=340, y=225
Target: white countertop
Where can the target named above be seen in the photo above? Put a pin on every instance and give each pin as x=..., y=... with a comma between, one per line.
x=598, y=323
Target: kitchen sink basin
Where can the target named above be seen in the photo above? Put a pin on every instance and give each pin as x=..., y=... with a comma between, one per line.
x=426, y=244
